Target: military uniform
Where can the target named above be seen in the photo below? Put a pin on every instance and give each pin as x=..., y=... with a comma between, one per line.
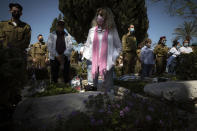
x=161, y=52
x=129, y=46
x=138, y=62
x=40, y=54
x=15, y=36
x=14, y=39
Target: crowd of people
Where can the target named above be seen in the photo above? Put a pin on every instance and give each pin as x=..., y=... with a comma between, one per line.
x=101, y=50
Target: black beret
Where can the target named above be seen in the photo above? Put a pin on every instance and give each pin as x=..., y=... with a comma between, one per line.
x=15, y=5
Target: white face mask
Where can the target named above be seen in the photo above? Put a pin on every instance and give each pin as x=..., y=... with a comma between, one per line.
x=186, y=44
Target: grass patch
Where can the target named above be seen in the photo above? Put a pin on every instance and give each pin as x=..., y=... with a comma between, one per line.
x=56, y=89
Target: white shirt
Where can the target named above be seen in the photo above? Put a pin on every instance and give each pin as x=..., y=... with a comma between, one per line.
x=147, y=55
x=51, y=43
x=114, y=46
x=174, y=52
x=186, y=50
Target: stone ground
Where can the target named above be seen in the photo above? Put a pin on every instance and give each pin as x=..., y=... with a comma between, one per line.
x=45, y=111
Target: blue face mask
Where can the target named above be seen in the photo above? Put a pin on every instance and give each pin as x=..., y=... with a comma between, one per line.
x=132, y=29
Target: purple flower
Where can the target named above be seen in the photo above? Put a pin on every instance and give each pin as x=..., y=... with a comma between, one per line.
x=126, y=109
x=117, y=105
x=148, y=118
x=151, y=109
x=101, y=110
x=134, y=95
x=130, y=103
x=109, y=106
x=74, y=113
x=137, y=122
x=122, y=113
x=93, y=121
x=109, y=112
x=100, y=122
x=59, y=116
x=161, y=122
x=85, y=101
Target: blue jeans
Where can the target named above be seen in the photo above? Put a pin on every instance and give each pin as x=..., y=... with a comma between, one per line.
x=147, y=70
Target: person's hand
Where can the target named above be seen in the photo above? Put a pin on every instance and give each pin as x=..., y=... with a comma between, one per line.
x=46, y=60
x=34, y=60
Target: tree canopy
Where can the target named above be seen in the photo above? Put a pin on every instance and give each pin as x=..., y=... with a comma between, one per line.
x=78, y=15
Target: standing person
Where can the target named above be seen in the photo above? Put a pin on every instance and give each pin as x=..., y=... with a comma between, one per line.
x=147, y=59
x=15, y=37
x=161, y=52
x=103, y=47
x=40, y=58
x=14, y=33
x=138, y=65
x=60, y=48
x=185, y=49
x=129, y=46
x=40, y=53
x=171, y=61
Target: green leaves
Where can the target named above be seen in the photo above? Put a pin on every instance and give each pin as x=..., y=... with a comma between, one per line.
x=187, y=66
x=78, y=15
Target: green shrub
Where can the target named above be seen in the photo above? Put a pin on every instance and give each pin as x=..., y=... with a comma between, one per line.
x=187, y=67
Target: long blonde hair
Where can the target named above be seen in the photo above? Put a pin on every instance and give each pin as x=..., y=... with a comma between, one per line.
x=109, y=19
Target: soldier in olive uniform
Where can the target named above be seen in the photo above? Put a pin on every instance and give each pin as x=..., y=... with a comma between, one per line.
x=40, y=53
x=138, y=66
x=129, y=45
x=40, y=58
x=14, y=39
x=161, y=52
x=14, y=33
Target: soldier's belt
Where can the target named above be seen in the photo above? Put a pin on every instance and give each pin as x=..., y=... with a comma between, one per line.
x=39, y=54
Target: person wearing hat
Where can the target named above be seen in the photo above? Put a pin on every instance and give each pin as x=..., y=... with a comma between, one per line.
x=60, y=48
x=14, y=33
x=161, y=53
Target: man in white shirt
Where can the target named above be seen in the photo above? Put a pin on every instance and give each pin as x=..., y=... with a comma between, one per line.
x=60, y=48
x=185, y=49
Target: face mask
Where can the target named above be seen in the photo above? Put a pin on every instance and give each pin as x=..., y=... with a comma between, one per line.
x=186, y=44
x=178, y=46
x=164, y=42
x=100, y=20
x=132, y=29
x=15, y=15
x=41, y=40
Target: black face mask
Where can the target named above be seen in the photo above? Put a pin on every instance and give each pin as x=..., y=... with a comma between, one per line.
x=41, y=40
x=15, y=15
